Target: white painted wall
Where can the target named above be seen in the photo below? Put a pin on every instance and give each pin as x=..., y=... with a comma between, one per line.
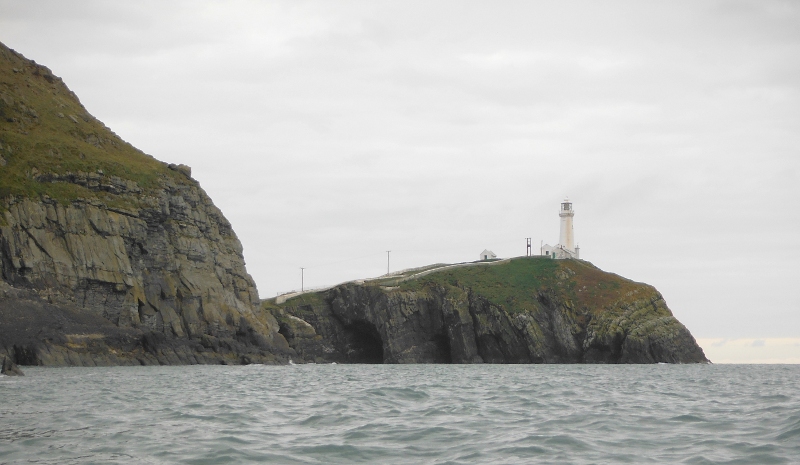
x=558, y=251
x=488, y=255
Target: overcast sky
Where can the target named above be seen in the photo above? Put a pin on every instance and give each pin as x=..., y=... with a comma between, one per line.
x=331, y=132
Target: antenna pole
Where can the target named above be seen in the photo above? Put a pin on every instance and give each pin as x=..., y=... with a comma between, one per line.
x=302, y=273
x=387, y=261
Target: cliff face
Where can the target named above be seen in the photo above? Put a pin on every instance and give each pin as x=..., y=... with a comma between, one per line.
x=527, y=310
x=108, y=256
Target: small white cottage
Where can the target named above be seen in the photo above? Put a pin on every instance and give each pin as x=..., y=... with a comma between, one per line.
x=488, y=255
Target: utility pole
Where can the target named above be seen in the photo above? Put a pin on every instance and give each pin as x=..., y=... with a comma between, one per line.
x=302, y=273
x=528, y=251
x=387, y=262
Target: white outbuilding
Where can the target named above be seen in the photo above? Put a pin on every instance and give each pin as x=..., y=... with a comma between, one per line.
x=488, y=255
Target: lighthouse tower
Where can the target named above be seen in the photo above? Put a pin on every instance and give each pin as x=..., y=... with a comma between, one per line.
x=566, y=242
x=567, y=236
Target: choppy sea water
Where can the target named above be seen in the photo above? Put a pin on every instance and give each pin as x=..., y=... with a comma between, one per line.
x=434, y=414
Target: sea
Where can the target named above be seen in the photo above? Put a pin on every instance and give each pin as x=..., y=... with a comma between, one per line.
x=402, y=414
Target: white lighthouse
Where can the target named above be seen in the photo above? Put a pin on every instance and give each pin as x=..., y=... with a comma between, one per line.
x=566, y=240
x=567, y=236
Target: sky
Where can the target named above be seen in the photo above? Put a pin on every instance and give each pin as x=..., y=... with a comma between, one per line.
x=332, y=132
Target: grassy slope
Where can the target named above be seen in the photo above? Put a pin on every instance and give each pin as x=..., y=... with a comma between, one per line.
x=514, y=285
x=511, y=285
x=38, y=135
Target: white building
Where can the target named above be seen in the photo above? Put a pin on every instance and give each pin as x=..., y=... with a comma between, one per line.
x=566, y=240
x=488, y=255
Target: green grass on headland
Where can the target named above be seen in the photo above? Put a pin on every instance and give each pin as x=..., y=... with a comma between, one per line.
x=515, y=284
x=510, y=284
x=45, y=130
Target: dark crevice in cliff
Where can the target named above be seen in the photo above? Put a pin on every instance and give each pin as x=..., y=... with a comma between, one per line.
x=25, y=356
x=36, y=242
x=443, y=352
x=365, y=344
x=246, y=334
x=489, y=349
x=285, y=331
x=617, y=345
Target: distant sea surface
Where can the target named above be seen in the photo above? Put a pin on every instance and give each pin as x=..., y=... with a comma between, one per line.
x=403, y=414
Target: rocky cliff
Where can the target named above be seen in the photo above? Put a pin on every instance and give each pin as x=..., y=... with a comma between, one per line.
x=107, y=255
x=525, y=310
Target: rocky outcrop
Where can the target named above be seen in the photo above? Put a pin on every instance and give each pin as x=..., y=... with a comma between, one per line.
x=9, y=368
x=447, y=321
x=108, y=256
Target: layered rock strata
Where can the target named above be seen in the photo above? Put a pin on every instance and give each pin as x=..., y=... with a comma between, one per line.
x=173, y=268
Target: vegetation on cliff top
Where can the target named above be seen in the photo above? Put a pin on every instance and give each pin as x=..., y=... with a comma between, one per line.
x=515, y=284
x=46, y=134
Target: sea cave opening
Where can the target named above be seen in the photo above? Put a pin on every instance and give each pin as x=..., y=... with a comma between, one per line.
x=365, y=343
x=443, y=354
